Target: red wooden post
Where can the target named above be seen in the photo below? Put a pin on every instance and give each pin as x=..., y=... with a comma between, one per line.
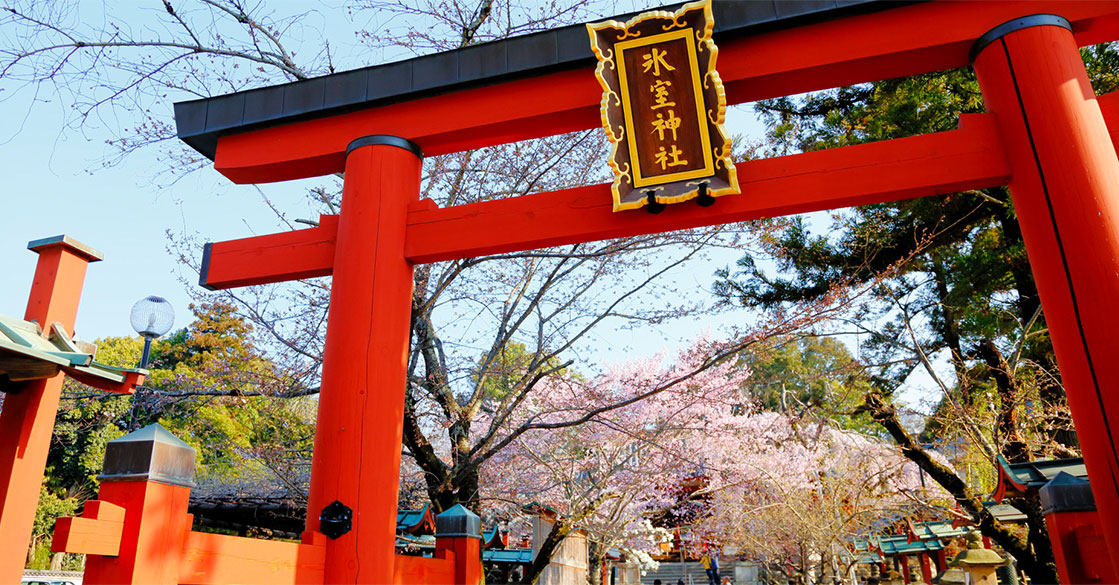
x=27, y=419
x=459, y=531
x=147, y=473
x=905, y=574
x=1074, y=528
x=361, y=408
x=1065, y=187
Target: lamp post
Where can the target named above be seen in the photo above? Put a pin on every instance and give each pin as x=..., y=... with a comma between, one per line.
x=151, y=317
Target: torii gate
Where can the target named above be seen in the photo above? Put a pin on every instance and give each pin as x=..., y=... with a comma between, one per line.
x=1046, y=136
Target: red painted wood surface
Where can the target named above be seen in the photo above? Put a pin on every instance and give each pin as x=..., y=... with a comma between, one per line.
x=101, y=510
x=1109, y=106
x=216, y=559
x=906, y=576
x=1065, y=187
x=467, y=553
x=926, y=568
x=968, y=158
x=97, y=532
x=128, y=386
x=946, y=162
x=27, y=419
x=901, y=41
x=87, y=536
x=361, y=406
x=1079, y=548
x=413, y=570
x=305, y=253
x=941, y=561
x=155, y=526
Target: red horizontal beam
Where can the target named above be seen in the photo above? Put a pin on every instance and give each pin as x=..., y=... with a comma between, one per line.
x=96, y=532
x=272, y=258
x=968, y=158
x=127, y=386
x=217, y=559
x=946, y=162
x=411, y=570
x=899, y=41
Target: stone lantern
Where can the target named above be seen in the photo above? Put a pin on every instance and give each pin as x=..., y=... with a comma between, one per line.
x=980, y=563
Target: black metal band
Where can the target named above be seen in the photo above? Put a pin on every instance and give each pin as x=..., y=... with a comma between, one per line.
x=386, y=139
x=1014, y=25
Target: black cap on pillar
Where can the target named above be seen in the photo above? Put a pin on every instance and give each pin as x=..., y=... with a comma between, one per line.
x=149, y=454
x=458, y=522
x=1066, y=493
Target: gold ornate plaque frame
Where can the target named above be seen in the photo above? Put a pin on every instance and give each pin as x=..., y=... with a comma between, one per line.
x=626, y=121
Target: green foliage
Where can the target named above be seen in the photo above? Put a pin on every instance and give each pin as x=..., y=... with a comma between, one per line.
x=51, y=507
x=209, y=385
x=957, y=259
x=507, y=370
x=1102, y=64
x=87, y=420
x=816, y=373
x=219, y=397
x=945, y=275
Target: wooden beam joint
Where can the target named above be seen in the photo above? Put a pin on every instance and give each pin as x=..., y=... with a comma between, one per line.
x=97, y=532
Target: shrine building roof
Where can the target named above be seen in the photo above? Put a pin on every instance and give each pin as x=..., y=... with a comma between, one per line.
x=1020, y=477
x=420, y=521
x=936, y=530
x=898, y=544
x=201, y=122
x=508, y=555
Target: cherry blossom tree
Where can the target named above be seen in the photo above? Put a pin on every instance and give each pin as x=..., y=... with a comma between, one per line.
x=775, y=486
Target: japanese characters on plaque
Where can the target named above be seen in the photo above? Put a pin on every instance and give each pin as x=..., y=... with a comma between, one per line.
x=663, y=107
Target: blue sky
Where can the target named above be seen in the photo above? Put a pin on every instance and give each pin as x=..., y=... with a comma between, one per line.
x=55, y=183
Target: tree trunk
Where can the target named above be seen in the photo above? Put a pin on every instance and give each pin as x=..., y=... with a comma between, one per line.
x=559, y=531
x=1037, y=532
x=1039, y=568
x=949, y=330
x=595, y=554
x=1013, y=444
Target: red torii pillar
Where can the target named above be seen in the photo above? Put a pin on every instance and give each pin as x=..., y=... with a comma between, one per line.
x=361, y=405
x=27, y=418
x=1065, y=188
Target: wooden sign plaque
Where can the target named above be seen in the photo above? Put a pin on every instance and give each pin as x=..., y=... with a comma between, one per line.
x=663, y=107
